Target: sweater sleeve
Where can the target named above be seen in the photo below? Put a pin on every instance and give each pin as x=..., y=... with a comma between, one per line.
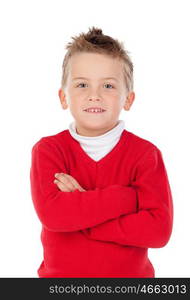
x=151, y=225
x=72, y=211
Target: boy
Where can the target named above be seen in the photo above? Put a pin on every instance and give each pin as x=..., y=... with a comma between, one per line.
x=101, y=192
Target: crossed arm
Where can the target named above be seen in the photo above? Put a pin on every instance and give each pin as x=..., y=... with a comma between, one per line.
x=140, y=215
x=76, y=210
x=151, y=225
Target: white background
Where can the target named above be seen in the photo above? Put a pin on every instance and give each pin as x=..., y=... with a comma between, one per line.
x=32, y=45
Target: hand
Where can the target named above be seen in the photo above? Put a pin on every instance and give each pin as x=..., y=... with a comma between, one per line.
x=67, y=183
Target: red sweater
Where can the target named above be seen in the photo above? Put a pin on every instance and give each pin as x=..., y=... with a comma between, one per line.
x=106, y=230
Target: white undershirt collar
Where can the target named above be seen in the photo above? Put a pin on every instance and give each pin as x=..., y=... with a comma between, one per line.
x=98, y=146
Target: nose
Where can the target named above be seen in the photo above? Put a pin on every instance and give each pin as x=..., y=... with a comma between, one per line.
x=93, y=98
x=94, y=95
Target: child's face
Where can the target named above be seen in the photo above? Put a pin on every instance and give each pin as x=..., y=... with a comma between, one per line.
x=95, y=91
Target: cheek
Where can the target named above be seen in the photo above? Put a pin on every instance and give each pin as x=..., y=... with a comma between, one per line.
x=77, y=96
x=114, y=99
x=76, y=103
x=115, y=105
x=112, y=94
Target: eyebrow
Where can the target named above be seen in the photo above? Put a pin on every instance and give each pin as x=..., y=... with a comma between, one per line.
x=113, y=78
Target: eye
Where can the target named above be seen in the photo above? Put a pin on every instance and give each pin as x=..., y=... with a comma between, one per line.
x=108, y=84
x=80, y=84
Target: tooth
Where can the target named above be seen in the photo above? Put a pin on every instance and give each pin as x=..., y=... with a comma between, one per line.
x=94, y=110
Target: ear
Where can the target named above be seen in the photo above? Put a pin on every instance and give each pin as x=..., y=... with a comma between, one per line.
x=129, y=101
x=62, y=98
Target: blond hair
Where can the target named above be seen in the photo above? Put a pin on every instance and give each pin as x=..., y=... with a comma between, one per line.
x=95, y=41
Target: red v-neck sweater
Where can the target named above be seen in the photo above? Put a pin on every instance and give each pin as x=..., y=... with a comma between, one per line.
x=106, y=230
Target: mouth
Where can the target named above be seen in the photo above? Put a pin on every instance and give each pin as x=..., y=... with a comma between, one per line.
x=94, y=110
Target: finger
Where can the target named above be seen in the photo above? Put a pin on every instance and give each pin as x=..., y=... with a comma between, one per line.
x=66, y=180
x=62, y=186
x=75, y=183
x=73, y=180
